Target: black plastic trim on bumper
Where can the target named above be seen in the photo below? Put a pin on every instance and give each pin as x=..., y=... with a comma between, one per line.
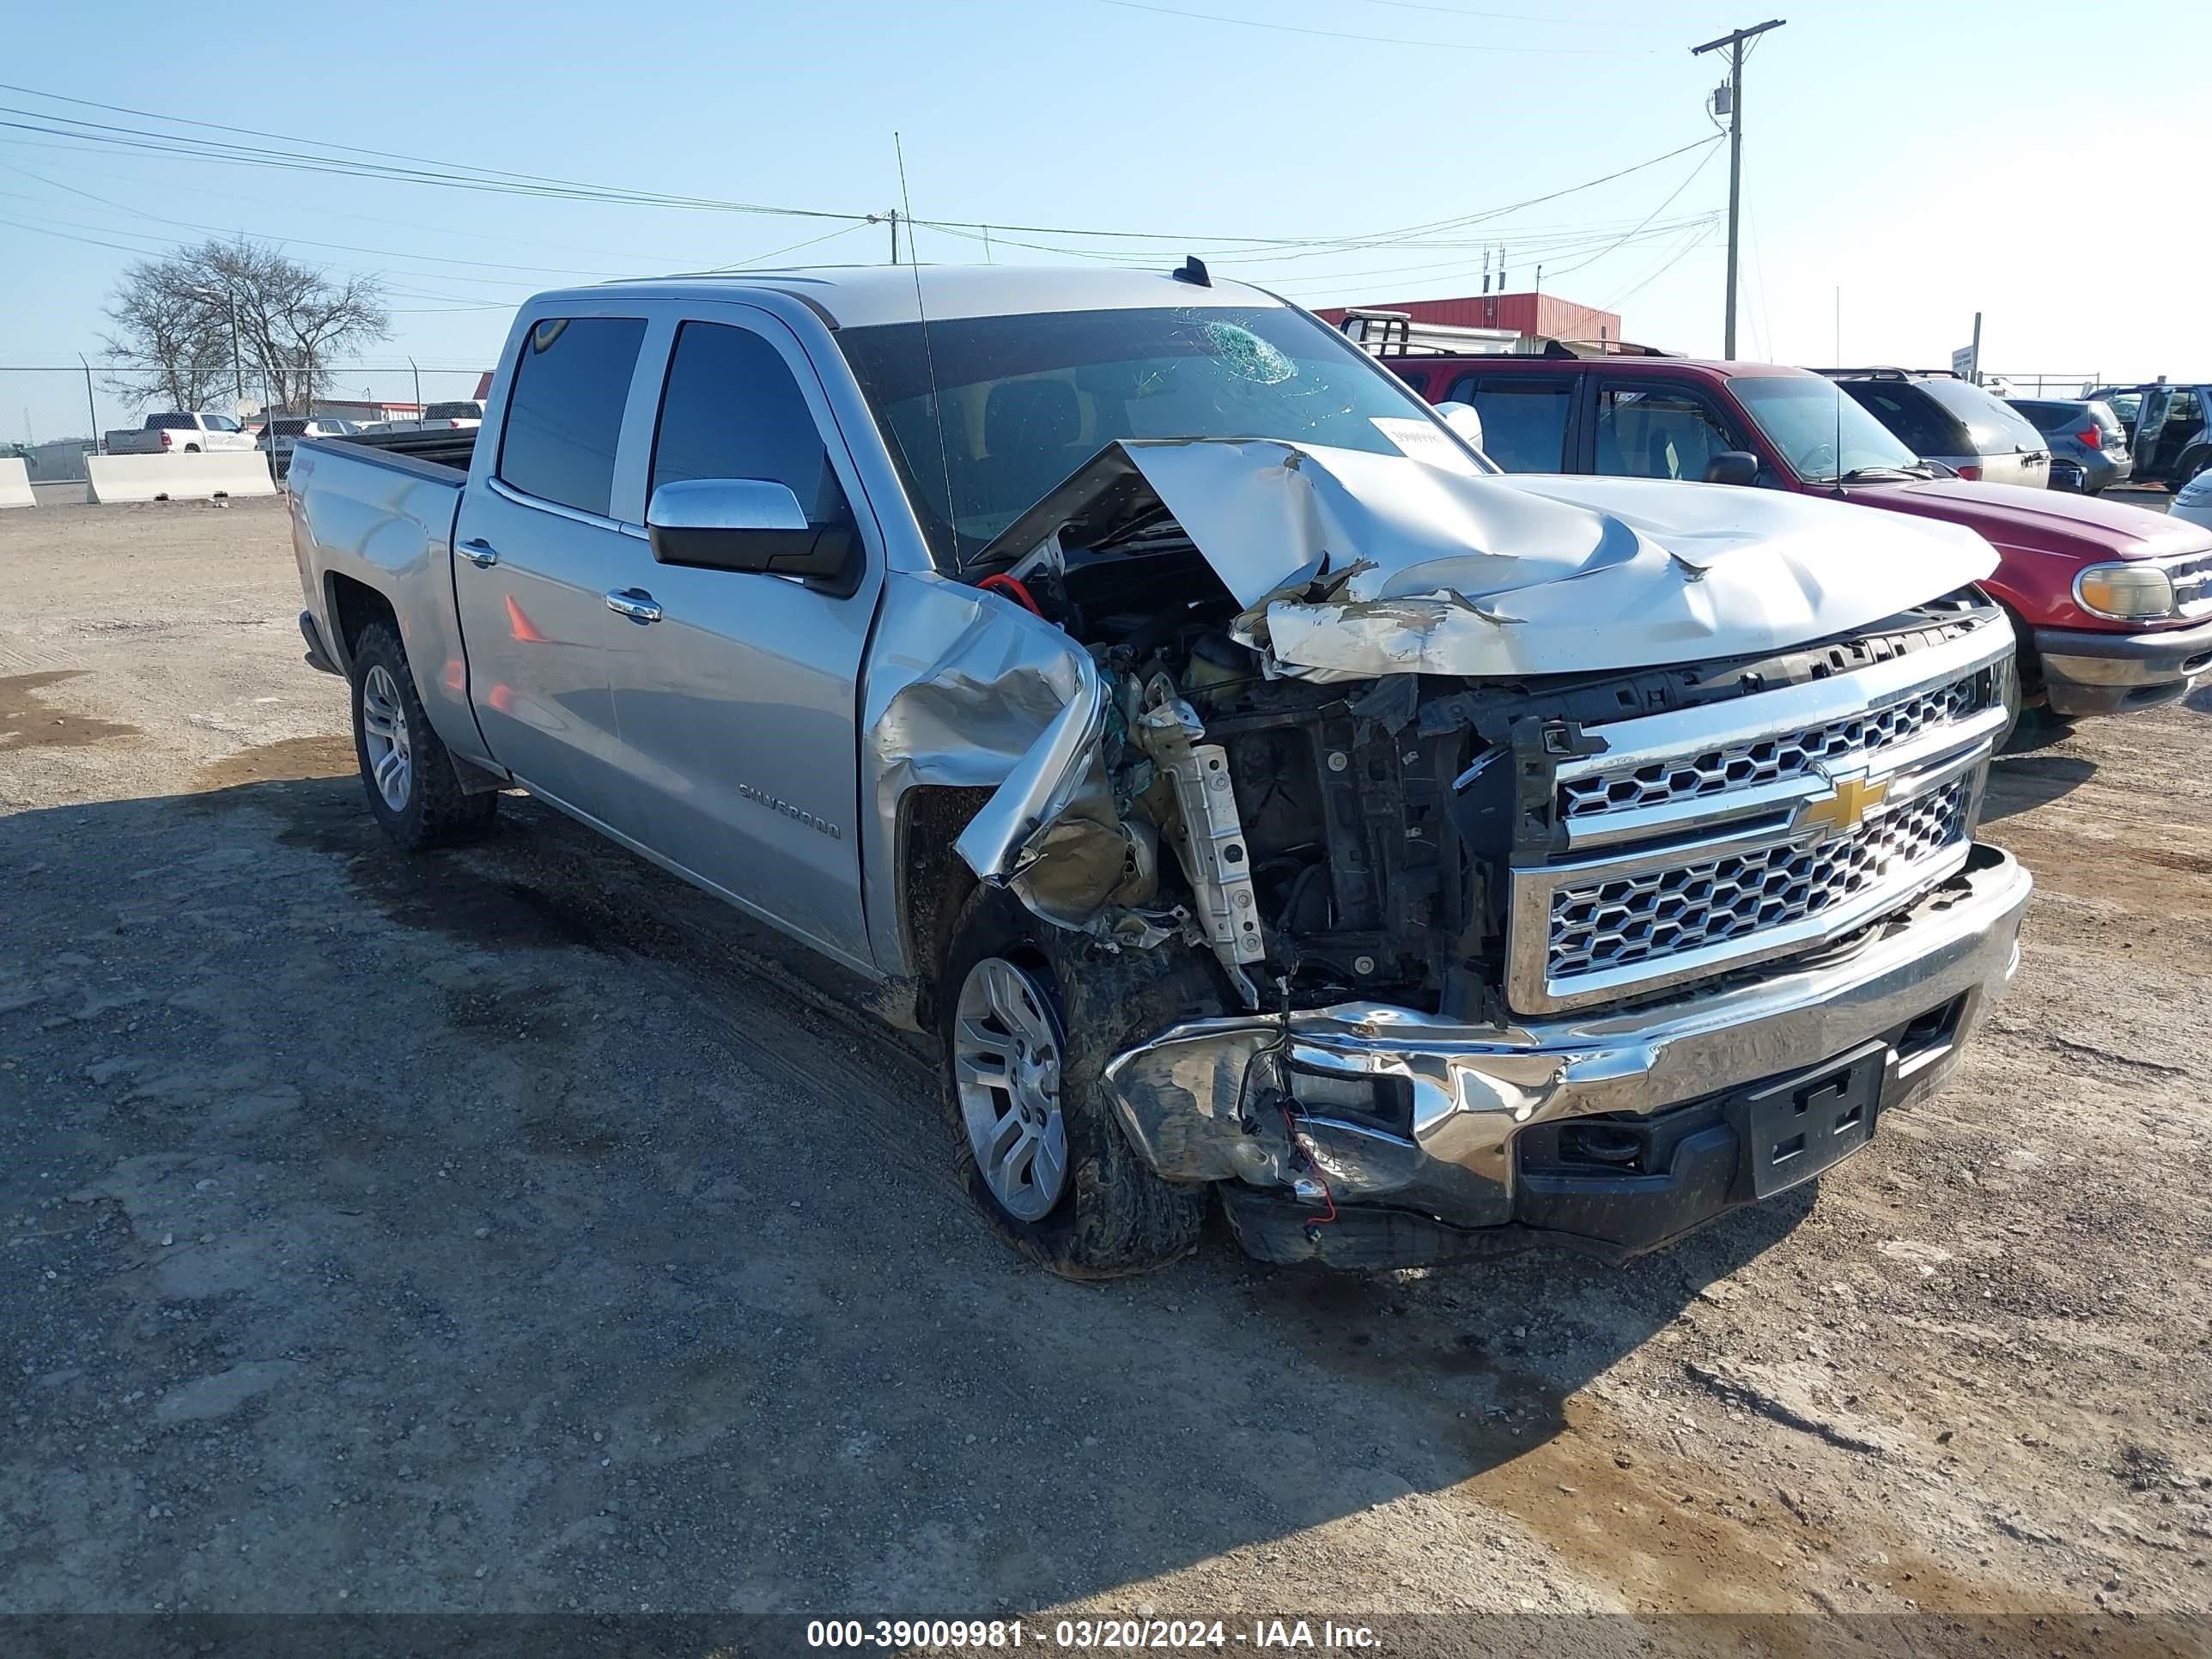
x=1693, y=1164
x=317, y=656
x=2092, y=673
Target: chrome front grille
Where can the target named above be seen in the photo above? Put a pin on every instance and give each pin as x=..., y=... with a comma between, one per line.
x=2192, y=585
x=1669, y=912
x=1770, y=759
x=1688, y=844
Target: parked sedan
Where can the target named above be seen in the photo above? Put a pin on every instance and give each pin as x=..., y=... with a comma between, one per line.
x=1941, y=418
x=2088, y=449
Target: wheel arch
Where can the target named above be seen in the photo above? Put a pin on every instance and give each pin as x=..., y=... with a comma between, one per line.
x=934, y=885
x=352, y=605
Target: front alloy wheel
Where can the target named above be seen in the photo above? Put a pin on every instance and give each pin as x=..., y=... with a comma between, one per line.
x=1006, y=1060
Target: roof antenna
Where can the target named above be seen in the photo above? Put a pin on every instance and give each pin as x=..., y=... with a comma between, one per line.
x=928, y=358
x=1193, y=272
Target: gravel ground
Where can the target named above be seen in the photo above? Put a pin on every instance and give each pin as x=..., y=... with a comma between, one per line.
x=519, y=1231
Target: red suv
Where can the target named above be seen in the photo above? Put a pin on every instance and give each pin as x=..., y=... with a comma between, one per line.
x=2112, y=604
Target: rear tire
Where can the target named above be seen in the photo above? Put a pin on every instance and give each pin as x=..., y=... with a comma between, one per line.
x=414, y=788
x=1014, y=982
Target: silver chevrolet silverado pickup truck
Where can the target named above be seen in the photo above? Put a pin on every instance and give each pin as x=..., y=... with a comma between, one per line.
x=1254, y=792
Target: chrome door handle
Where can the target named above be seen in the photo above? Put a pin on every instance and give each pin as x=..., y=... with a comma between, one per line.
x=635, y=603
x=481, y=553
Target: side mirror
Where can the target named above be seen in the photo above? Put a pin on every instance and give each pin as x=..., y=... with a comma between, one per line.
x=1733, y=466
x=1463, y=419
x=752, y=525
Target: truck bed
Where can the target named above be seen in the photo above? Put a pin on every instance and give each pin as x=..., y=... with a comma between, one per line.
x=445, y=446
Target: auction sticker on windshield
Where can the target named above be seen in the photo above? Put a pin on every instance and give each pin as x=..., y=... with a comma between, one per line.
x=1419, y=441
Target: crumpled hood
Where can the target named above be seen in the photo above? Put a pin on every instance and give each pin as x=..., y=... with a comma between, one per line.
x=1353, y=564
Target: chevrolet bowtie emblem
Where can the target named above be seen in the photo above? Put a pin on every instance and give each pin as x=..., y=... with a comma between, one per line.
x=1841, y=809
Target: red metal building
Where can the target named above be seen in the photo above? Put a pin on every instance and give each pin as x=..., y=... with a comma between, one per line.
x=1544, y=315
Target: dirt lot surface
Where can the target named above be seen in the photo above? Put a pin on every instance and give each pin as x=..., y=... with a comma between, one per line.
x=518, y=1230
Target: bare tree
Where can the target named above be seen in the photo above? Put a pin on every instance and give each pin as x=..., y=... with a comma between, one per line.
x=169, y=349
x=178, y=318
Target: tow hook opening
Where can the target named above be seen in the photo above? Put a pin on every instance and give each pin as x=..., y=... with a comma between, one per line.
x=1368, y=1101
x=1929, y=1037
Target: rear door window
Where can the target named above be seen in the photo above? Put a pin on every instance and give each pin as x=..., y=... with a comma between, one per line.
x=1524, y=417
x=1995, y=426
x=564, y=417
x=1648, y=431
x=732, y=409
x=1923, y=427
x=2051, y=418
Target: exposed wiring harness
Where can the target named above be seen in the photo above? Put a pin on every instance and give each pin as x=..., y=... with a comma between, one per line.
x=1313, y=1223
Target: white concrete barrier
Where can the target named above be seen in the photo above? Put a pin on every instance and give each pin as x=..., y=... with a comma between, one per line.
x=16, y=483
x=177, y=477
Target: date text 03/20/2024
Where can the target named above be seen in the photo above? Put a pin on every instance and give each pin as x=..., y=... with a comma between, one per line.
x=900, y=1635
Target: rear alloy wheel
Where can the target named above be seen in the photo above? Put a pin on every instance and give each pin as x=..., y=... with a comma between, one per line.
x=383, y=738
x=415, y=790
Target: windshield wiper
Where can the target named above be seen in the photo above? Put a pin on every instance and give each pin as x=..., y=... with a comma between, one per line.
x=1862, y=474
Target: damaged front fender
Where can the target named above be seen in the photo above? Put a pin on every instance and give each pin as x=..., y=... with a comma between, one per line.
x=968, y=690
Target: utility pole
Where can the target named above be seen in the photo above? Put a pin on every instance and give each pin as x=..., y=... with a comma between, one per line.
x=893, y=217
x=1734, y=44
x=91, y=410
x=418, y=388
x=237, y=363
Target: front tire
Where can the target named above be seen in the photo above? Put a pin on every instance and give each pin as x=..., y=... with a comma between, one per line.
x=414, y=788
x=1032, y=1013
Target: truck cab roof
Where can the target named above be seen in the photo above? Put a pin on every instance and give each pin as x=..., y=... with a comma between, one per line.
x=862, y=296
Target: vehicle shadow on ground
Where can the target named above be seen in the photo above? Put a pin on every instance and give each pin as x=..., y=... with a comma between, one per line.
x=615, y=1252
x=2019, y=783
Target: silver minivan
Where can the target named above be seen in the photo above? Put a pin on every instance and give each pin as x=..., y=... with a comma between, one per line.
x=1942, y=417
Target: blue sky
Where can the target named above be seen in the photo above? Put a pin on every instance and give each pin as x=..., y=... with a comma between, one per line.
x=2041, y=163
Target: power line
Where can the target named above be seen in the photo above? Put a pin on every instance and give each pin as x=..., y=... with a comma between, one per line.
x=1367, y=40
x=462, y=176
x=1712, y=149
x=1443, y=269
x=1515, y=16
x=302, y=241
x=1696, y=240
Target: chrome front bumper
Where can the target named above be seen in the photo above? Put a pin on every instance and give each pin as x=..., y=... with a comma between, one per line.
x=1198, y=1108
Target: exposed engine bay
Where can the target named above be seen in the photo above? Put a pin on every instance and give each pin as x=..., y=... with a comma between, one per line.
x=1326, y=836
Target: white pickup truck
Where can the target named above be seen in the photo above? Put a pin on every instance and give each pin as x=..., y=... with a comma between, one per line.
x=1255, y=793
x=186, y=432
